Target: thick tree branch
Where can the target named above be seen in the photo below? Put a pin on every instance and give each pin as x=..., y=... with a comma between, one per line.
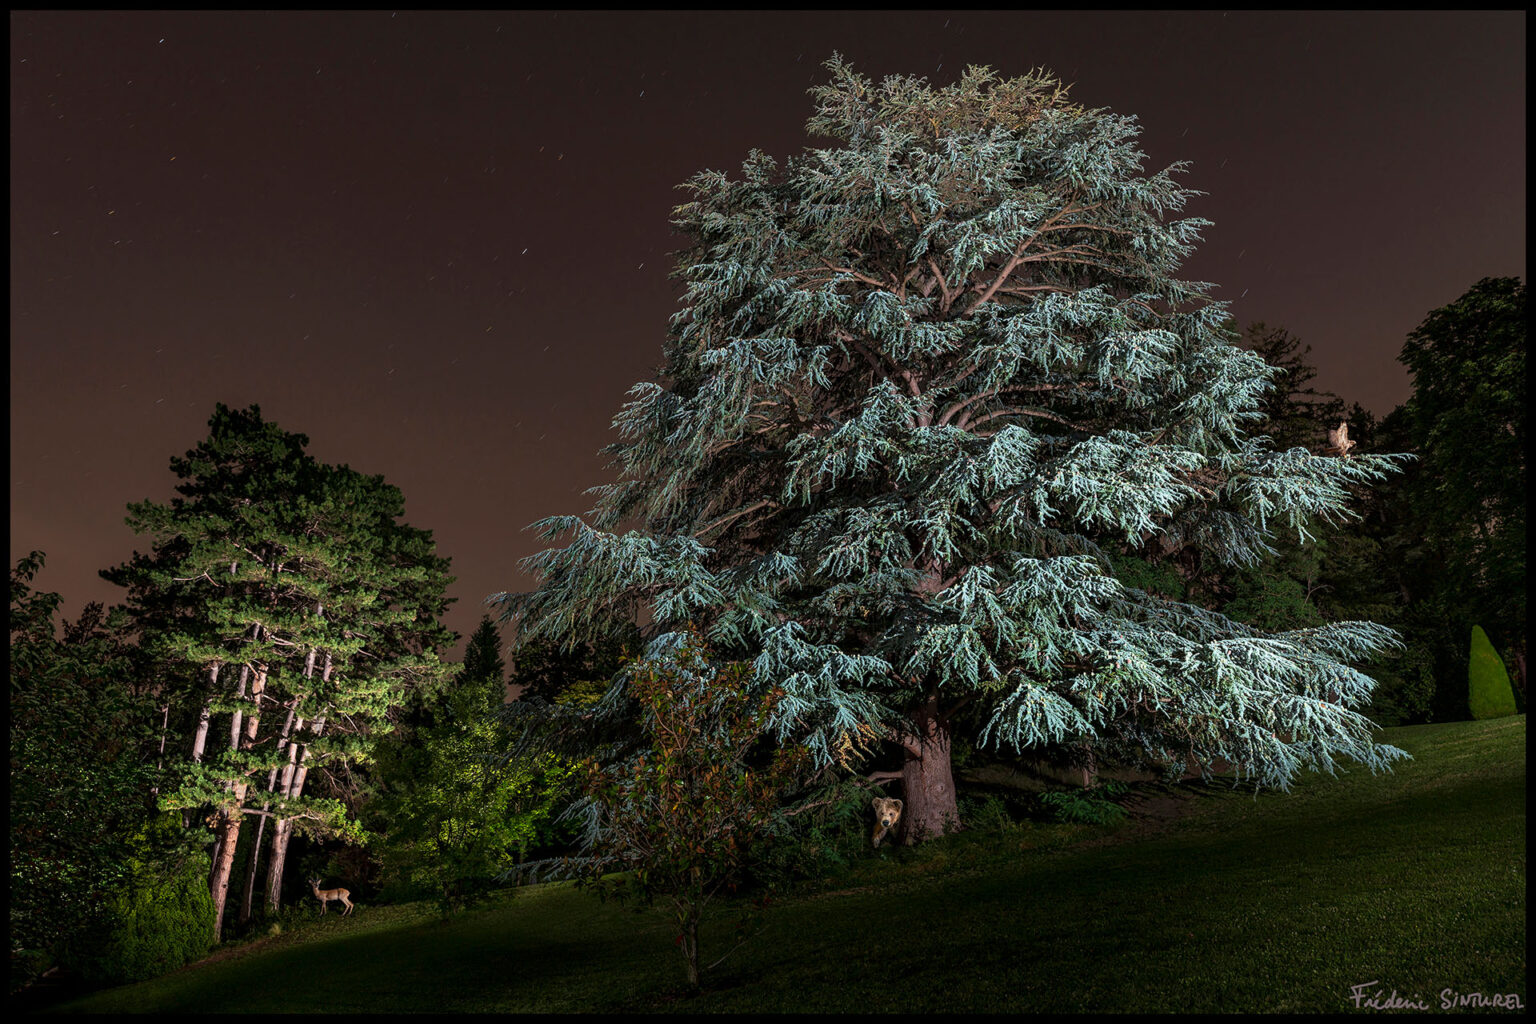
x=735, y=515
x=1018, y=257
x=1016, y=411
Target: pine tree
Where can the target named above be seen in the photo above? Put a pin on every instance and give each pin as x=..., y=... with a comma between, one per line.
x=1296, y=414
x=920, y=379
x=483, y=663
x=277, y=584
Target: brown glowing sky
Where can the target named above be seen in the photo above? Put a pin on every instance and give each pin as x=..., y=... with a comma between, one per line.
x=437, y=243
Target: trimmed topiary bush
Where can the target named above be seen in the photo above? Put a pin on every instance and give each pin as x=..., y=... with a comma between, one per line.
x=1488, y=691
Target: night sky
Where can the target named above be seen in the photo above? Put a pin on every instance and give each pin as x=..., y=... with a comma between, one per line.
x=438, y=243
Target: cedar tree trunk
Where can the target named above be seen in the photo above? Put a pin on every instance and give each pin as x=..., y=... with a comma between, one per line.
x=927, y=781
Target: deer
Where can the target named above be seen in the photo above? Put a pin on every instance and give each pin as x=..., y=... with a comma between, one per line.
x=326, y=895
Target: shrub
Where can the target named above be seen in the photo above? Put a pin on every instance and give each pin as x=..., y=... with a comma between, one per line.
x=1405, y=686
x=1094, y=806
x=162, y=921
x=821, y=838
x=989, y=813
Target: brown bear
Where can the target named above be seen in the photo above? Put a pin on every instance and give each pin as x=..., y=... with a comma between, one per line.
x=887, y=814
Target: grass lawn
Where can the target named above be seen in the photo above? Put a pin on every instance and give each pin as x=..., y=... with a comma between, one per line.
x=1414, y=880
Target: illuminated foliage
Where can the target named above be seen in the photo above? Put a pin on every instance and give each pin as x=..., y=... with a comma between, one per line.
x=922, y=379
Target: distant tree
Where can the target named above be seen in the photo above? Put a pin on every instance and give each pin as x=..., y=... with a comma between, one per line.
x=548, y=668
x=1467, y=421
x=452, y=813
x=280, y=584
x=483, y=663
x=1296, y=414
x=921, y=378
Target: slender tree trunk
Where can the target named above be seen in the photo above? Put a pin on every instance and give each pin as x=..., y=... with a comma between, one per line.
x=294, y=775
x=253, y=868
x=261, y=822
x=199, y=745
x=236, y=717
x=232, y=815
x=280, y=828
x=165, y=724
x=200, y=738
x=689, y=940
x=228, y=825
x=927, y=779
x=292, y=786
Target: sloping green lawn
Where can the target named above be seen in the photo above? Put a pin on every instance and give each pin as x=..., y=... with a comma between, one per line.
x=1414, y=881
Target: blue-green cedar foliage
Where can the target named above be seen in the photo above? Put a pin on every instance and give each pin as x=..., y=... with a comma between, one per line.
x=921, y=377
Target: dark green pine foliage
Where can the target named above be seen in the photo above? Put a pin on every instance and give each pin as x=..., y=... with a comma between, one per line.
x=483, y=664
x=296, y=610
x=1295, y=414
x=547, y=669
x=920, y=378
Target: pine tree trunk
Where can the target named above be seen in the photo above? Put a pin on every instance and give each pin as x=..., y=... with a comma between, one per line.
x=280, y=829
x=253, y=868
x=229, y=821
x=235, y=719
x=165, y=724
x=293, y=779
x=261, y=822
x=200, y=738
x=927, y=779
x=275, y=863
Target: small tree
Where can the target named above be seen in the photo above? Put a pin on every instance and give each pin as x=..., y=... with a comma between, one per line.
x=680, y=818
x=483, y=663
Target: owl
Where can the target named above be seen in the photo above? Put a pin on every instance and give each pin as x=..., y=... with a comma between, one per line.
x=1339, y=441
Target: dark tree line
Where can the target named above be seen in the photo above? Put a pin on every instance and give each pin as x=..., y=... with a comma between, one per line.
x=1438, y=549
